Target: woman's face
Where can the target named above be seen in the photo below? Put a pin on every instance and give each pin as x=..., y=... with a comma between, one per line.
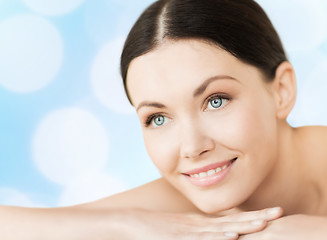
x=208, y=119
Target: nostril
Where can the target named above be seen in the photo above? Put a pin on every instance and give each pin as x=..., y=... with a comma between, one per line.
x=205, y=151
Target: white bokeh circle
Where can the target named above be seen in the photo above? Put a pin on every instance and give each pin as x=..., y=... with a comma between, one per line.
x=105, y=78
x=12, y=197
x=53, y=7
x=131, y=3
x=89, y=189
x=31, y=53
x=301, y=24
x=68, y=144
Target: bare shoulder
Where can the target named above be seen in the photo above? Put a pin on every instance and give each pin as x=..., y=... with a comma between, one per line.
x=313, y=148
x=158, y=195
x=312, y=145
x=315, y=136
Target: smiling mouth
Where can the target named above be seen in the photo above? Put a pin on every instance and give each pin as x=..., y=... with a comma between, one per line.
x=209, y=170
x=209, y=175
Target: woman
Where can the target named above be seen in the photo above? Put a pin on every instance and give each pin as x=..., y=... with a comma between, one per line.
x=212, y=87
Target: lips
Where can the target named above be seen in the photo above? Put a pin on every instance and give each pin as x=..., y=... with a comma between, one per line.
x=210, y=174
x=207, y=168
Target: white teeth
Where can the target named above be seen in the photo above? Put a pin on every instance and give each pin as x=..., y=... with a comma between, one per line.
x=203, y=174
x=210, y=172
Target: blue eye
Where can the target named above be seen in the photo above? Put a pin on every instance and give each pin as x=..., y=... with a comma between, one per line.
x=159, y=120
x=216, y=102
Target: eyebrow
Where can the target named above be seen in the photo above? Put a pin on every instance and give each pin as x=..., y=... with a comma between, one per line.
x=198, y=91
x=150, y=104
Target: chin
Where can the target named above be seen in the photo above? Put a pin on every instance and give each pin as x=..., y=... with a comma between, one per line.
x=212, y=208
x=216, y=204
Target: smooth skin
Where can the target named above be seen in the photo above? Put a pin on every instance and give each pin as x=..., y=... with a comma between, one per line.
x=277, y=165
x=123, y=221
x=200, y=105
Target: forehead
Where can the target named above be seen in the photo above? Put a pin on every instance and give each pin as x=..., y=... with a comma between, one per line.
x=182, y=64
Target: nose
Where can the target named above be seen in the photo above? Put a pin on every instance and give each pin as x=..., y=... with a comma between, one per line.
x=195, y=141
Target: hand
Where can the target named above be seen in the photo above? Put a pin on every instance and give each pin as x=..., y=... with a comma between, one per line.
x=162, y=226
x=292, y=227
x=79, y=223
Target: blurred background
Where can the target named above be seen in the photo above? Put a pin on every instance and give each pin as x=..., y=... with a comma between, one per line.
x=67, y=132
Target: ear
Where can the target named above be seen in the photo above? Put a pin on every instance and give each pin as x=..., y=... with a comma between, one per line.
x=285, y=89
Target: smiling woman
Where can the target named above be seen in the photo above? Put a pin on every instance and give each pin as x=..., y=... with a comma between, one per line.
x=204, y=122
x=212, y=92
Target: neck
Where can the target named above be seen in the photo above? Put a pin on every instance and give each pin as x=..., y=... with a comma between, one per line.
x=288, y=184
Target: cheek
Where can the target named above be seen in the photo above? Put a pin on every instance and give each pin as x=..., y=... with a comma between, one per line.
x=162, y=149
x=246, y=129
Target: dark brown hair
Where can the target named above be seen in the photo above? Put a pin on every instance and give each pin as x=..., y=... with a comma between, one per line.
x=240, y=27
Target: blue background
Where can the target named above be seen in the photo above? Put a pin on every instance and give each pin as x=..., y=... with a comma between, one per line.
x=67, y=132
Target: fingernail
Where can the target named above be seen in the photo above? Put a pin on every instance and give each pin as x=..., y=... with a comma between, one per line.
x=257, y=222
x=230, y=234
x=273, y=211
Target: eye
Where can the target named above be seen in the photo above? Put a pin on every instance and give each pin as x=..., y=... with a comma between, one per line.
x=156, y=120
x=216, y=102
x=159, y=120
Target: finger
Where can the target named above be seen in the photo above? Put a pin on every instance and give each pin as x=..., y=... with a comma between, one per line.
x=208, y=236
x=244, y=227
x=265, y=214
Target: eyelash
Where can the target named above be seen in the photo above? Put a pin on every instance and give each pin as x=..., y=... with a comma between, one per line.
x=214, y=96
x=150, y=118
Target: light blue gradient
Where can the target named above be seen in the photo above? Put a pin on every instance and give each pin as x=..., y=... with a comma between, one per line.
x=84, y=32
